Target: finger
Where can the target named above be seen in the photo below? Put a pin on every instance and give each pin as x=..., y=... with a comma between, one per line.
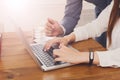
x=58, y=59
x=51, y=21
x=47, y=46
x=48, y=32
x=57, y=52
x=49, y=25
x=54, y=56
x=50, y=43
x=64, y=49
x=62, y=46
x=49, y=35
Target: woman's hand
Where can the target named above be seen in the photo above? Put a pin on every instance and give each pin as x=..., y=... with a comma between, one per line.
x=66, y=54
x=59, y=41
x=56, y=41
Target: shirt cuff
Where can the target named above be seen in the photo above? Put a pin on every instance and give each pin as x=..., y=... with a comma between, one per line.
x=63, y=30
x=104, y=58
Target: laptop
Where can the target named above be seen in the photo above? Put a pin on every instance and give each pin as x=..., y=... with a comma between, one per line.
x=45, y=60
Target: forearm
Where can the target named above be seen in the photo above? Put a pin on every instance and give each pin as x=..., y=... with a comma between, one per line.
x=70, y=38
x=94, y=28
x=72, y=14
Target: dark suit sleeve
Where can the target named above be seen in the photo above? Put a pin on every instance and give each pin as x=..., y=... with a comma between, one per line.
x=72, y=15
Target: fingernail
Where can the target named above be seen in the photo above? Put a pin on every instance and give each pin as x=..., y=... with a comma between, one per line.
x=44, y=49
x=47, y=48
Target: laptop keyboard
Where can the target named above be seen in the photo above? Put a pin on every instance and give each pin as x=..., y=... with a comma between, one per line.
x=46, y=57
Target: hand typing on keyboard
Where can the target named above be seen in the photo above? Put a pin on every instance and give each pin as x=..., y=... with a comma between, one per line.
x=50, y=52
x=46, y=57
x=56, y=41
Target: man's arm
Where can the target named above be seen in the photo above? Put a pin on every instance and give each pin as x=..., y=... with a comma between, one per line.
x=72, y=15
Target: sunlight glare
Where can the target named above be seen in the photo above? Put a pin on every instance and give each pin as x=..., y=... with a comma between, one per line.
x=15, y=4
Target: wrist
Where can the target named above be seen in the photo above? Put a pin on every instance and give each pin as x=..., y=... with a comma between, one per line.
x=96, y=59
x=85, y=57
x=91, y=56
x=62, y=31
x=70, y=38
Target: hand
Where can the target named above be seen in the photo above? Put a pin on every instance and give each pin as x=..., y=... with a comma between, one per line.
x=66, y=54
x=53, y=28
x=58, y=40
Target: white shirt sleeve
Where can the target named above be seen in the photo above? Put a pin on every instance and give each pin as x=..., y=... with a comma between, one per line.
x=109, y=58
x=96, y=27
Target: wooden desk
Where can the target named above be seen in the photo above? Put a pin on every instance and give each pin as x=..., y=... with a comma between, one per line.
x=0, y=42
x=17, y=64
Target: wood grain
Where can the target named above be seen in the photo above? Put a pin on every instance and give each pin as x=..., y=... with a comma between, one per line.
x=17, y=64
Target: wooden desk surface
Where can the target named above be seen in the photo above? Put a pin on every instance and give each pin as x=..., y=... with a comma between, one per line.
x=17, y=64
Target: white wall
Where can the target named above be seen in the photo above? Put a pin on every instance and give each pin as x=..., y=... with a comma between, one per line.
x=30, y=13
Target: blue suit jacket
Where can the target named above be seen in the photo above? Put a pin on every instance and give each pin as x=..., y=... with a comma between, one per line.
x=73, y=10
